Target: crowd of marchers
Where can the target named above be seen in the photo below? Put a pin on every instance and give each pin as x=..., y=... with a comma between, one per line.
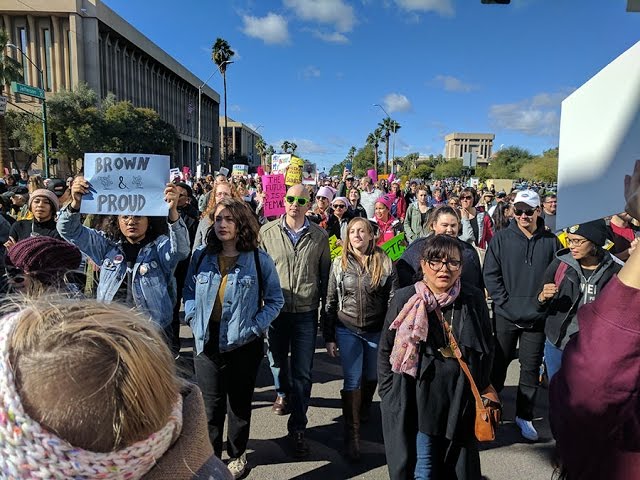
x=92, y=307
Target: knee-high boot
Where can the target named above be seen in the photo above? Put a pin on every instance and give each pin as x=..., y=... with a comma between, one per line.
x=351, y=413
x=368, y=389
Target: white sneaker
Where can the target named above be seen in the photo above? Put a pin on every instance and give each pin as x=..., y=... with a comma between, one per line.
x=526, y=429
x=237, y=466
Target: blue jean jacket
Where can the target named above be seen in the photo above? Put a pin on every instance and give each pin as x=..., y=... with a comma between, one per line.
x=154, y=290
x=241, y=319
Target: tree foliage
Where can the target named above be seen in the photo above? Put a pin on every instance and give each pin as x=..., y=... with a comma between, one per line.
x=543, y=168
x=9, y=71
x=508, y=162
x=450, y=168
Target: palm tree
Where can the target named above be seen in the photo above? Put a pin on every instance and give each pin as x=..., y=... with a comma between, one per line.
x=387, y=125
x=374, y=140
x=10, y=71
x=286, y=145
x=221, y=54
x=261, y=148
x=293, y=147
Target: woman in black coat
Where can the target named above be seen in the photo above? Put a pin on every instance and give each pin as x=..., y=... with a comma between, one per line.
x=428, y=409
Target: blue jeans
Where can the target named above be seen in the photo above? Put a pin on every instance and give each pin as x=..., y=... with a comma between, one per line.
x=430, y=453
x=552, y=358
x=358, y=356
x=296, y=332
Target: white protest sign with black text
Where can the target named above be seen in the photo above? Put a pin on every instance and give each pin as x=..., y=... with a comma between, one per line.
x=599, y=142
x=125, y=184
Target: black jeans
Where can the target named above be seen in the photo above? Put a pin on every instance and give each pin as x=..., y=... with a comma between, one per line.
x=229, y=376
x=530, y=355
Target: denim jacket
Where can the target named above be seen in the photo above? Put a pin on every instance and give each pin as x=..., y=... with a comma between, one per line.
x=153, y=283
x=242, y=320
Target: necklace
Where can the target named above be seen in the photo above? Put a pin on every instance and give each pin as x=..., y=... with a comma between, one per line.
x=447, y=351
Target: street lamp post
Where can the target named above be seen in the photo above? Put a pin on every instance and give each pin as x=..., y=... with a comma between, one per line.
x=199, y=165
x=45, y=147
x=393, y=143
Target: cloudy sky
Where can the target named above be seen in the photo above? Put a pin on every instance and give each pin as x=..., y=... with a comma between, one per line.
x=310, y=71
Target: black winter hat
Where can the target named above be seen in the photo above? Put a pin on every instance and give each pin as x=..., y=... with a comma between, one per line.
x=594, y=231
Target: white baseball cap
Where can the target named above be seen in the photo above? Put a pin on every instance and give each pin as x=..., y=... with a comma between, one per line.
x=529, y=197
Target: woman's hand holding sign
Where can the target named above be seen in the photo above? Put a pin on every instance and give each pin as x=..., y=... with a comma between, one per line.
x=171, y=196
x=79, y=187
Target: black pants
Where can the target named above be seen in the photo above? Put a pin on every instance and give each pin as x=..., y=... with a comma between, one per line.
x=530, y=356
x=229, y=376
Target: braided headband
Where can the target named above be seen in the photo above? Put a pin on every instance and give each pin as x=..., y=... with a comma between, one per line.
x=27, y=450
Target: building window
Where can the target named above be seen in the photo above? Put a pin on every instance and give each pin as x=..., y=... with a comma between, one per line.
x=47, y=58
x=22, y=35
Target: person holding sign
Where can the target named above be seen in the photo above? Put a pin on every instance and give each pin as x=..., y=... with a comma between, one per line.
x=137, y=256
x=428, y=409
x=232, y=294
x=388, y=225
x=359, y=288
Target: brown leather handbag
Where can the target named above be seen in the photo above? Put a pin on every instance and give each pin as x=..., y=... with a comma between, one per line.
x=488, y=406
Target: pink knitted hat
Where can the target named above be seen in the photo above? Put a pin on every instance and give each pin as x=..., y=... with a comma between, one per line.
x=43, y=192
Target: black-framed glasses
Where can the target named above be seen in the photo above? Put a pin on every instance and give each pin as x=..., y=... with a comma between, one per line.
x=576, y=242
x=528, y=212
x=466, y=197
x=340, y=205
x=291, y=199
x=452, y=265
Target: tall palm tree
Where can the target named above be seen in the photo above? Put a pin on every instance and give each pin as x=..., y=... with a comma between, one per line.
x=221, y=54
x=261, y=148
x=286, y=145
x=395, y=126
x=10, y=71
x=386, y=125
x=294, y=147
x=374, y=140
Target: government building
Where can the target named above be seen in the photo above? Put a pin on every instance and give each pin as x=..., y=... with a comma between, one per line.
x=75, y=41
x=456, y=144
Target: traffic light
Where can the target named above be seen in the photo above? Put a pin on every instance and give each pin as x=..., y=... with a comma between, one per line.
x=501, y=2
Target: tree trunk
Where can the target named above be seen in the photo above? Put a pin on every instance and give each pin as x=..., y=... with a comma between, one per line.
x=386, y=161
x=375, y=155
x=224, y=80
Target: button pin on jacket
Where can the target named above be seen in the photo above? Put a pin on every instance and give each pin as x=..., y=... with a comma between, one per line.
x=144, y=269
x=118, y=259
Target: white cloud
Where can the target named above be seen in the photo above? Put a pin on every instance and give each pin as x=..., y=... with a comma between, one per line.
x=441, y=7
x=396, y=102
x=331, y=37
x=331, y=12
x=453, y=84
x=535, y=116
x=310, y=72
x=271, y=29
x=235, y=108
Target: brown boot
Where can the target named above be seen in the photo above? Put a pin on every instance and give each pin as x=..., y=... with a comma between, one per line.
x=368, y=389
x=351, y=413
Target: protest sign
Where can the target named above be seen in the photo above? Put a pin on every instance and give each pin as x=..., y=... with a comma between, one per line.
x=125, y=184
x=335, y=250
x=599, y=142
x=239, y=170
x=224, y=171
x=294, y=171
x=260, y=170
x=186, y=171
x=279, y=162
x=173, y=173
x=372, y=174
x=309, y=173
x=274, y=190
x=395, y=247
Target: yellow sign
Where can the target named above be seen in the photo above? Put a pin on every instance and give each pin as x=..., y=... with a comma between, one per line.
x=335, y=250
x=294, y=172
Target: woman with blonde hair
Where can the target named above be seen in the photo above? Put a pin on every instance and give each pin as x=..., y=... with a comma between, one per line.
x=35, y=183
x=220, y=191
x=89, y=390
x=359, y=289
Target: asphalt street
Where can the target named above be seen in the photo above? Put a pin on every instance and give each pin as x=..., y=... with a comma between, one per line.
x=510, y=457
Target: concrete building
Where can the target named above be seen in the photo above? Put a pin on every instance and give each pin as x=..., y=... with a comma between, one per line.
x=241, y=142
x=479, y=143
x=75, y=41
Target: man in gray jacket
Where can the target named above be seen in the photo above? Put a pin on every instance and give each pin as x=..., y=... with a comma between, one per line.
x=300, y=250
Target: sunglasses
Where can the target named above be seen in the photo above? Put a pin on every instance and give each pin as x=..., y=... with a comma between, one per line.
x=339, y=205
x=466, y=198
x=291, y=199
x=529, y=212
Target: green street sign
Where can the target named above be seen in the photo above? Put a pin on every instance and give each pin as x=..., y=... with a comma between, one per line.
x=27, y=90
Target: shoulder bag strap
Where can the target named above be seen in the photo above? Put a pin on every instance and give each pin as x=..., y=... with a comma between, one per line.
x=256, y=256
x=456, y=351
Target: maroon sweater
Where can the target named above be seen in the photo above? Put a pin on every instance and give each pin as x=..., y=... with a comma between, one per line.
x=595, y=397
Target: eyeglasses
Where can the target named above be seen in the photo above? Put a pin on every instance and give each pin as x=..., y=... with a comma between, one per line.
x=529, y=212
x=130, y=218
x=466, y=197
x=452, y=265
x=576, y=242
x=301, y=201
x=339, y=205
x=15, y=275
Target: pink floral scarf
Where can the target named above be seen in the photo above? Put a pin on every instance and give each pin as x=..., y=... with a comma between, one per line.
x=412, y=325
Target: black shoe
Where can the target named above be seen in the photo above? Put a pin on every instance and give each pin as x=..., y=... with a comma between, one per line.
x=280, y=406
x=300, y=447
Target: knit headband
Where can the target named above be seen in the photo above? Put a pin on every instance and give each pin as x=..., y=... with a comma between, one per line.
x=27, y=450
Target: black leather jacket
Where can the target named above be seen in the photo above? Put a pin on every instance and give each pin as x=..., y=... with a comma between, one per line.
x=352, y=302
